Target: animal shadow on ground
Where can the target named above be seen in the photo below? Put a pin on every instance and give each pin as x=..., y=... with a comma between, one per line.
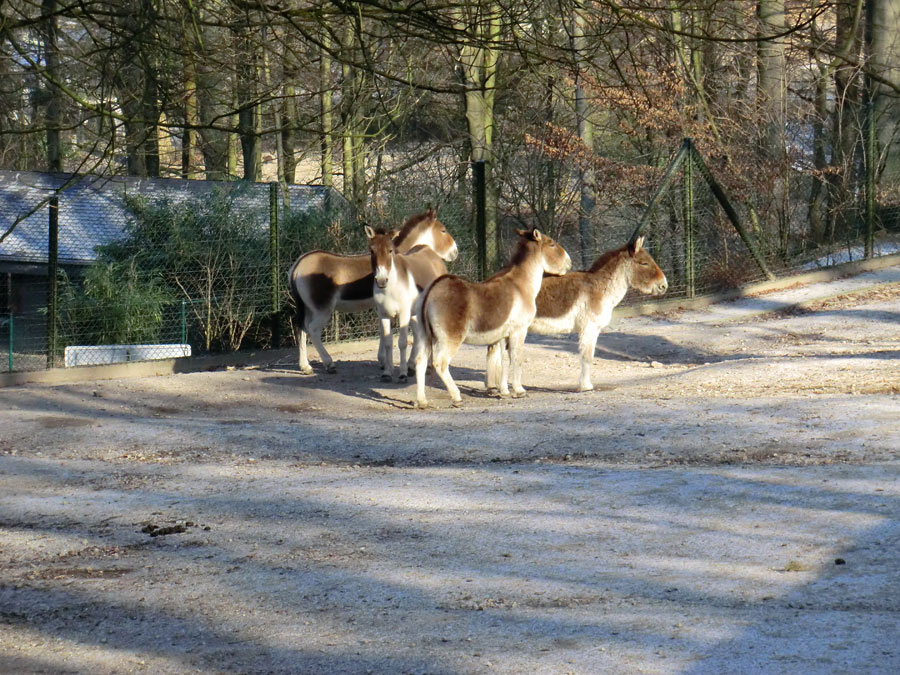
x=626, y=347
x=362, y=379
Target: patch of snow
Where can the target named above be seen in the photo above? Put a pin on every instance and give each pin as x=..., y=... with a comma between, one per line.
x=852, y=254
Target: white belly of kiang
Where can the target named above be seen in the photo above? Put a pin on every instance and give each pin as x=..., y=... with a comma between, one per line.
x=559, y=325
x=488, y=337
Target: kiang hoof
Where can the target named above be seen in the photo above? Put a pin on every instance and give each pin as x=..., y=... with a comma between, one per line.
x=307, y=371
x=588, y=388
x=422, y=405
x=457, y=404
x=386, y=378
x=519, y=394
x=331, y=369
x=402, y=378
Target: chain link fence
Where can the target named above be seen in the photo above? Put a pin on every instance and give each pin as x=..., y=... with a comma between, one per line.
x=155, y=268
x=708, y=240
x=151, y=268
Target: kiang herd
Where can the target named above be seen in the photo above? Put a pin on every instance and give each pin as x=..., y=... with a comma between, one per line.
x=404, y=277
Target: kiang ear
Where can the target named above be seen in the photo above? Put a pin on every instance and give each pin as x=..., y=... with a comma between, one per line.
x=394, y=234
x=370, y=233
x=536, y=234
x=523, y=233
x=636, y=244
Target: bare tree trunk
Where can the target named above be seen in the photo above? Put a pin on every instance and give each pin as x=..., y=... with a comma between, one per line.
x=214, y=99
x=136, y=83
x=347, y=131
x=548, y=190
x=846, y=118
x=884, y=66
x=191, y=117
x=478, y=61
x=287, y=120
x=817, y=212
x=51, y=56
x=326, y=115
x=352, y=132
x=771, y=75
x=588, y=196
x=247, y=92
x=150, y=113
x=771, y=99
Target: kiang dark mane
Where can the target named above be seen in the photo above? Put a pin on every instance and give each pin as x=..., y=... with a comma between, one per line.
x=410, y=224
x=518, y=256
x=605, y=259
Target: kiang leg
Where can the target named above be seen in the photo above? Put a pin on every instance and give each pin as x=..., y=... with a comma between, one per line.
x=516, y=342
x=422, y=353
x=300, y=335
x=504, y=364
x=444, y=350
x=402, y=343
x=315, y=328
x=587, y=343
x=416, y=344
x=386, y=348
x=493, y=367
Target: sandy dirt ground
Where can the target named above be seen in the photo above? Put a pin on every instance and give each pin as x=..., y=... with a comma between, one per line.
x=726, y=501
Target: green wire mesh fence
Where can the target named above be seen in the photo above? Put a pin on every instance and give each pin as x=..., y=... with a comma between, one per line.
x=149, y=268
x=155, y=268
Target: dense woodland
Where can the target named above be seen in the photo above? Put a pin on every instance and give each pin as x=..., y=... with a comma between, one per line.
x=574, y=105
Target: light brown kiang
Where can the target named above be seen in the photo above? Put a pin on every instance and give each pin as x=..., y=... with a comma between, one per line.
x=583, y=302
x=322, y=282
x=399, y=278
x=500, y=309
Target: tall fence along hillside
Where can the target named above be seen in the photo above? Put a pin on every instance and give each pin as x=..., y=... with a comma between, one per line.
x=98, y=268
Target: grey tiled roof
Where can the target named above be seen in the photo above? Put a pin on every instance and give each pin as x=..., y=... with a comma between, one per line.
x=91, y=209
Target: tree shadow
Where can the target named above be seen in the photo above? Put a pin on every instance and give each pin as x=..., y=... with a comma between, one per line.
x=564, y=555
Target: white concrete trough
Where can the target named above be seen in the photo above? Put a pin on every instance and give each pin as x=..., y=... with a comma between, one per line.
x=97, y=355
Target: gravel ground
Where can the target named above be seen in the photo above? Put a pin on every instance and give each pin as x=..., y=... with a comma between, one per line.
x=726, y=501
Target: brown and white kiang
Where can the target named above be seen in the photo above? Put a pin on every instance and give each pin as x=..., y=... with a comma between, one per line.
x=322, y=282
x=398, y=280
x=453, y=310
x=582, y=302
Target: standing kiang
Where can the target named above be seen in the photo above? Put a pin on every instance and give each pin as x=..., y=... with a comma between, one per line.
x=583, y=302
x=322, y=282
x=498, y=310
x=398, y=280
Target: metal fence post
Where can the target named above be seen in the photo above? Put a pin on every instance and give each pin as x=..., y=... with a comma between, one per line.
x=663, y=186
x=184, y=322
x=687, y=207
x=274, y=264
x=480, y=187
x=52, y=273
x=11, y=340
x=720, y=196
x=870, y=158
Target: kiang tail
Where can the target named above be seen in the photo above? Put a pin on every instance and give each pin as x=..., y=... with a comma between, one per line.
x=299, y=306
x=426, y=333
